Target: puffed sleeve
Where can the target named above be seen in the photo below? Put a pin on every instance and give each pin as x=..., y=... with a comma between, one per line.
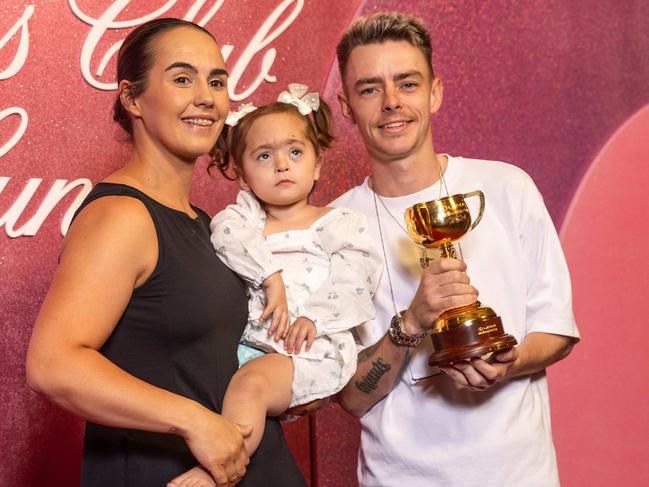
x=238, y=240
x=344, y=300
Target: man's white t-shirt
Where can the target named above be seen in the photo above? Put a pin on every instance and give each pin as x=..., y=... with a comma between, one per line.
x=428, y=432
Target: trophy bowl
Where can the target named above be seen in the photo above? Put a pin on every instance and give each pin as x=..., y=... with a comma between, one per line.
x=468, y=331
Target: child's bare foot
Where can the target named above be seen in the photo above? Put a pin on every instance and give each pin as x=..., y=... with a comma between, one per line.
x=196, y=477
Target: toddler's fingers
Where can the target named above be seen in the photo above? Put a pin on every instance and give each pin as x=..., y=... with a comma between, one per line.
x=310, y=338
x=290, y=342
x=300, y=338
x=287, y=326
x=282, y=322
x=273, y=324
x=268, y=310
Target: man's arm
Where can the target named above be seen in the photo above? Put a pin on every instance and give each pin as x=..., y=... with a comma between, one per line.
x=548, y=296
x=379, y=368
x=443, y=285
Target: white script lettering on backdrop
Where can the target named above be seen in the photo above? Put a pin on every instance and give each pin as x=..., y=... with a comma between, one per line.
x=269, y=30
x=61, y=187
x=265, y=35
x=57, y=192
x=14, y=67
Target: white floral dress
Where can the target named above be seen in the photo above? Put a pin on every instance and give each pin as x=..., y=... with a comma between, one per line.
x=330, y=271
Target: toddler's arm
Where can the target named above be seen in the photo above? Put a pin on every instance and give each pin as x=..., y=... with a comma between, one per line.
x=237, y=239
x=276, y=306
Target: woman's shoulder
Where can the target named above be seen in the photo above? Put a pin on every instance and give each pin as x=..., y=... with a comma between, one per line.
x=112, y=203
x=116, y=231
x=112, y=218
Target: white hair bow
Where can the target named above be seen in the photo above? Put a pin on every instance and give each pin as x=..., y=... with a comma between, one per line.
x=234, y=117
x=297, y=95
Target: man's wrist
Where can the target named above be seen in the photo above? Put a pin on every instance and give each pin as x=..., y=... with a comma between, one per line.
x=410, y=326
x=399, y=335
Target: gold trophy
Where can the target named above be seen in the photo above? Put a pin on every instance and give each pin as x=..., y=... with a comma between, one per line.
x=468, y=331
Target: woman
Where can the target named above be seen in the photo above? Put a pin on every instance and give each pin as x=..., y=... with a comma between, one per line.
x=139, y=330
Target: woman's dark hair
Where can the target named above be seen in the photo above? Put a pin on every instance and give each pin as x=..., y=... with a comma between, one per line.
x=134, y=61
x=318, y=131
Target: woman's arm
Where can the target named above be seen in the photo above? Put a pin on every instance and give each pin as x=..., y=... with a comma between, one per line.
x=110, y=250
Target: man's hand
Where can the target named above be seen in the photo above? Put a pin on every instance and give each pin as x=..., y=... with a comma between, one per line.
x=537, y=351
x=303, y=329
x=443, y=285
x=276, y=306
x=477, y=374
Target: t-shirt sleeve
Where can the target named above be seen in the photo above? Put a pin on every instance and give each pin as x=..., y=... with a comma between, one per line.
x=549, y=293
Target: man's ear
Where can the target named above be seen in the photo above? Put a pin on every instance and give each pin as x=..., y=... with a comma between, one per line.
x=127, y=99
x=345, y=107
x=436, y=94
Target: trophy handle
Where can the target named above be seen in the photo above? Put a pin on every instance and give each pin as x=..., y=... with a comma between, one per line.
x=480, y=195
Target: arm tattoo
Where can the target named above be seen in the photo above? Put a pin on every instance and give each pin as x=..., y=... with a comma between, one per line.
x=366, y=353
x=370, y=381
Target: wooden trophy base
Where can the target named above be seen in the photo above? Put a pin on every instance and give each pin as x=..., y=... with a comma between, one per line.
x=467, y=332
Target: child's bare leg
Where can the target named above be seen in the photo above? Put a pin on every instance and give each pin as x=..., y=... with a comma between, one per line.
x=262, y=387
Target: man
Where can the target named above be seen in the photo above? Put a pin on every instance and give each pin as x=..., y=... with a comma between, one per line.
x=479, y=423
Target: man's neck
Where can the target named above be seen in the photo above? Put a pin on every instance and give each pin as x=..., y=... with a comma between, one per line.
x=407, y=176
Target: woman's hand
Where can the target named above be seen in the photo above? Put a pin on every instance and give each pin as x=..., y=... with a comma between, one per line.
x=303, y=329
x=218, y=445
x=276, y=305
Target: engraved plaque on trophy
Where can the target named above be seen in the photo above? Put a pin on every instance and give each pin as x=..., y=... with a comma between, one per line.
x=468, y=331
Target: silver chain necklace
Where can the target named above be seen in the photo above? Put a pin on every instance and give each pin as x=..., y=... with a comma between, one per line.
x=385, y=255
x=375, y=195
x=387, y=210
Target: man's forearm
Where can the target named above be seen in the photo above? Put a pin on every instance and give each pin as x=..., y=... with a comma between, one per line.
x=540, y=350
x=379, y=368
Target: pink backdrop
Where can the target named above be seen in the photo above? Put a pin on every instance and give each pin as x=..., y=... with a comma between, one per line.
x=556, y=87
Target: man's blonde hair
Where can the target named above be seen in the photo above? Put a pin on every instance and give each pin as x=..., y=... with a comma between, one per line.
x=381, y=27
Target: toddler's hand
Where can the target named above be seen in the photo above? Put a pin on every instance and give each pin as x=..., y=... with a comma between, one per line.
x=276, y=306
x=302, y=329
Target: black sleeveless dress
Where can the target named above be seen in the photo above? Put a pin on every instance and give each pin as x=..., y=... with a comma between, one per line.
x=179, y=332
